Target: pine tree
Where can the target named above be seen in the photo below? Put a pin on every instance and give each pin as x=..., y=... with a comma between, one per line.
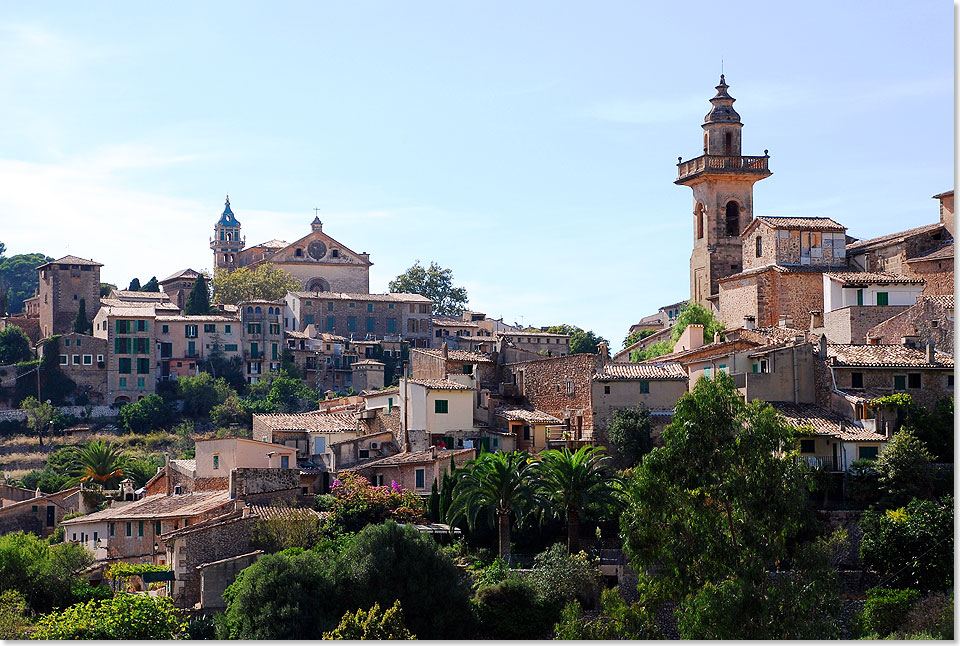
x=134, y=285
x=151, y=285
x=199, y=300
x=81, y=325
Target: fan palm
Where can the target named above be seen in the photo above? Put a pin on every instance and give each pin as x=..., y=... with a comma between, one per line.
x=101, y=463
x=576, y=482
x=499, y=486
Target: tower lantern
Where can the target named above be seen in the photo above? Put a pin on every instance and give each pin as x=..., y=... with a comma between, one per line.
x=722, y=181
x=226, y=242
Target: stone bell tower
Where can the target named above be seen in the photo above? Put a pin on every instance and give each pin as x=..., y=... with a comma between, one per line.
x=722, y=181
x=226, y=242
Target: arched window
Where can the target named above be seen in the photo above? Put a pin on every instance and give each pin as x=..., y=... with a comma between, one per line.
x=249, y=310
x=759, y=246
x=705, y=140
x=229, y=237
x=733, y=219
x=728, y=143
x=257, y=310
x=699, y=221
x=226, y=258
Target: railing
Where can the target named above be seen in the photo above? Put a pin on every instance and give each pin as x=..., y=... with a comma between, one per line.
x=253, y=356
x=722, y=163
x=828, y=462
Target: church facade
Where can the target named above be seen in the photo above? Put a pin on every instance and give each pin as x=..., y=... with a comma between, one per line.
x=321, y=263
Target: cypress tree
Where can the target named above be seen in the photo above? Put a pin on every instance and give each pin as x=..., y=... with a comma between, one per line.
x=134, y=285
x=81, y=324
x=199, y=300
x=151, y=285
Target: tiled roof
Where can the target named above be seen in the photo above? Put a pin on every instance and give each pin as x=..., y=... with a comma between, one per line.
x=316, y=421
x=458, y=355
x=454, y=322
x=144, y=310
x=368, y=362
x=889, y=239
x=646, y=371
x=808, y=223
x=773, y=334
x=943, y=300
x=184, y=466
x=884, y=356
x=183, y=273
x=197, y=318
x=864, y=395
x=277, y=511
x=137, y=295
x=715, y=349
x=340, y=296
x=525, y=414
x=943, y=252
x=824, y=422
x=439, y=384
x=532, y=333
x=71, y=260
x=160, y=506
x=386, y=391
x=783, y=269
x=271, y=244
x=411, y=457
x=873, y=278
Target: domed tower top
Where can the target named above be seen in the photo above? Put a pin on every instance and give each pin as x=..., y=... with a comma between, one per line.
x=722, y=110
x=316, y=225
x=227, y=218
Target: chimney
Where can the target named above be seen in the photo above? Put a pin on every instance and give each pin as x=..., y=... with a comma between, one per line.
x=604, y=353
x=749, y=322
x=931, y=353
x=816, y=319
x=445, y=351
x=716, y=337
x=786, y=320
x=822, y=350
x=433, y=451
x=911, y=339
x=691, y=339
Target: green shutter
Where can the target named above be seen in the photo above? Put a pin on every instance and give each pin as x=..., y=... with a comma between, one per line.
x=882, y=298
x=860, y=297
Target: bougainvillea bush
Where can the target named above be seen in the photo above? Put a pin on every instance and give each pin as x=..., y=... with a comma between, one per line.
x=357, y=503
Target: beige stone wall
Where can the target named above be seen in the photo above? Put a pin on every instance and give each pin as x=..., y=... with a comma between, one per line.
x=91, y=378
x=206, y=545
x=61, y=288
x=851, y=324
x=933, y=388
x=794, y=295
x=769, y=251
x=739, y=298
x=662, y=395
x=937, y=276
x=931, y=321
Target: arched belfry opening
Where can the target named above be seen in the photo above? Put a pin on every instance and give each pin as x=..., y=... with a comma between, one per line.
x=733, y=219
x=698, y=214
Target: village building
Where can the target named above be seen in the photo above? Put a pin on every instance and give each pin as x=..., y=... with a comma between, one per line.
x=184, y=343
x=321, y=263
x=546, y=344
x=930, y=320
x=83, y=360
x=178, y=286
x=854, y=302
x=262, y=336
x=533, y=428
x=64, y=285
x=414, y=470
x=129, y=333
x=24, y=510
x=828, y=440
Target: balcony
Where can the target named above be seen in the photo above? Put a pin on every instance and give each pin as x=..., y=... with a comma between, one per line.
x=253, y=356
x=722, y=164
x=826, y=462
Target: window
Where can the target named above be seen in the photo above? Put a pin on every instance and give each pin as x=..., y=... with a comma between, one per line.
x=177, y=490
x=209, y=327
x=190, y=331
x=391, y=325
x=389, y=404
x=335, y=253
x=298, y=253
x=88, y=359
x=165, y=329
x=141, y=383
x=230, y=347
x=124, y=365
x=156, y=528
x=868, y=452
x=112, y=529
x=722, y=367
x=122, y=383
x=216, y=461
x=856, y=380
x=900, y=382
x=331, y=324
x=882, y=299
x=284, y=461
x=253, y=328
x=143, y=366
x=706, y=372
x=370, y=324
x=123, y=327
x=140, y=528
x=330, y=306
x=99, y=358
x=64, y=360
x=364, y=453
x=353, y=304
x=80, y=342
x=440, y=406
x=733, y=219
x=807, y=446
x=274, y=328
x=421, y=478
x=129, y=529
x=66, y=342
x=644, y=387
x=390, y=306
x=352, y=323
x=569, y=386
x=141, y=326
x=860, y=297
x=913, y=380
x=759, y=246
x=467, y=369
x=369, y=307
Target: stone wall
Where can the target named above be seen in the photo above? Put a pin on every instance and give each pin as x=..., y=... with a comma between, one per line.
x=216, y=576
x=739, y=298
x=937, y=276
x=931, y=320
x=933, y=382
x=245, y=483
x=797, y=294
x=82, y=412
x=559, y=386
x=851, y=324
x=214, y=542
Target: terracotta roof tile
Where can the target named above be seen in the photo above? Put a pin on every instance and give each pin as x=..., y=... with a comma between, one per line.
x=439, y=384
x=808, y=223
x=783, y=269
x=160, y=506
x=71, y=260
x=943, y=252
x=340, y=296
x=314, y=421
x=884, y=356
x=458, y=355
x=824, y=422
x=412, y=457
x=183, y=273
x=873, y=278
x=889, y=239
x=645, y=371
x=525, y=414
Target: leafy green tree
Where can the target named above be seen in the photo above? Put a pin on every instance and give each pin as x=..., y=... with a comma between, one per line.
x=581, y=341
x=512, y=609
x=198, y=302
x=13, y=615
x=652, y=351
x=134, y=285
x=200, y=393
x=629, y=433
x=145, y=415
x=560, y=578
x=125, y=616
x=903, y=469
x=500, y=486
x=263, y=282
x=434, y=283
x=44, y=574
x=722, y=486
x=106, y=288
x=577, y=482
x=372, y=624
x=286, y=528
x=696, y=313
x=19, y=274
x=637, y=335
x=934, y=428
x=14, y=346
x=142, y=470
x=289, y=395
x=39, y=416
x=101, y=463
x=910, y=547
x=151, y=285
x=81, y=324
x=885, y=611
x=616, y=620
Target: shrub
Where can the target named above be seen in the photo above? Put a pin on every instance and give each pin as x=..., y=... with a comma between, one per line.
x=372, y=624
x=125, y=616
x=932, y=615
x=617, y=620
x=561, y=578
x=44, y=574
x=862, y=481
x=147, y=414
x=903, y=469
x=288, y=527
x=13, y=612
x=885, y=611
x=512, y=609
x=359, y=503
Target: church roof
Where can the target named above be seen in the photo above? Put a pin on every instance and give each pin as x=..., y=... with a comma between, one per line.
x=227, y=218
x=71, y=260
x=183, y=273
x=722, y=111
x=793, y=222
x=271, y=244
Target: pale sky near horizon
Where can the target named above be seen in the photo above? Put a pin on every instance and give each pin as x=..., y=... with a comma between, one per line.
x=530, y=147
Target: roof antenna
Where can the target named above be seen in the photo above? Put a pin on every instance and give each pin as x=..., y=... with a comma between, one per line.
x=721, y=67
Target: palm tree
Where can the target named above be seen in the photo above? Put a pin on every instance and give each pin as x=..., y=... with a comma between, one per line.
x=500, y=486
x=100, y=462
x=576, y=482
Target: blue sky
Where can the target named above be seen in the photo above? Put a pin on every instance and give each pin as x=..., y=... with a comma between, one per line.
x=530, y=147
